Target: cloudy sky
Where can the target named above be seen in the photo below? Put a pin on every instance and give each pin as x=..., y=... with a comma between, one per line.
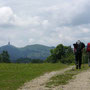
x=47, y=22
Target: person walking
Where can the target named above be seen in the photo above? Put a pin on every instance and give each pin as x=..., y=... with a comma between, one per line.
x=88, y=52
x=78, y=48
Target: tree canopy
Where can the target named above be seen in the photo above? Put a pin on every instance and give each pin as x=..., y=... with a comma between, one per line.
x=4, y=57
x=62, y=54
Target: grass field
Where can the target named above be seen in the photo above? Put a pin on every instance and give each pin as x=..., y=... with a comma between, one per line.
x=12, y=76
x=64, y=78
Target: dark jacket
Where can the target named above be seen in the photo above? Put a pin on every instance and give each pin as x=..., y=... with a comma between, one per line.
x=78, y=47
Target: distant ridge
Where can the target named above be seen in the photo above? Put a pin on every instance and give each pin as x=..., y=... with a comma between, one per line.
x=35, y=51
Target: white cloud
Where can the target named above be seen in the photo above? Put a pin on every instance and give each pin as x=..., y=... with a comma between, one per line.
x=8, y=18
x=6, y=15
x=45, y=22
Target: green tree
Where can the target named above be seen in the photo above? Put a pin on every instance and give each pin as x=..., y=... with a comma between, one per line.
x=62, y=54
x=84, y=56
x=36, y=61
x=0, y=58
x=69, y=55
x=56, y=54
x=5, y=57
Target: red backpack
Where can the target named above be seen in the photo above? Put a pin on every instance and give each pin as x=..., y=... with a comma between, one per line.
x=88, y=47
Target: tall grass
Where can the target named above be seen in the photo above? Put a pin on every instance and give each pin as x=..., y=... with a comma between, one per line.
x=12, y=76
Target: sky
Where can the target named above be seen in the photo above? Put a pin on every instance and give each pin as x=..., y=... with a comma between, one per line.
x=47, y=22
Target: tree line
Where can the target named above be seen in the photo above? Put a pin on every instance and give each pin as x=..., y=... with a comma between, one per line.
x=64, y=54
x=61, y=53
x=4, y=57
x=28, y=60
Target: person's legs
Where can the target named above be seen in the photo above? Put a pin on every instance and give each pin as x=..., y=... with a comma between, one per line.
x=80, y=60
x=89, y=59
x=76, y=60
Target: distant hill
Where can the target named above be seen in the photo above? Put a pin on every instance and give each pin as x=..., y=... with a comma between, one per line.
x=31, y=51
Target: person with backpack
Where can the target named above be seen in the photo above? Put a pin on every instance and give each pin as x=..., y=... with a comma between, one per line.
x=88, y=52
x=78, y=48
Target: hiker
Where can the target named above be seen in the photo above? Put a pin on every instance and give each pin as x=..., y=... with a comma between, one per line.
x=88, y=52
x=78, y=48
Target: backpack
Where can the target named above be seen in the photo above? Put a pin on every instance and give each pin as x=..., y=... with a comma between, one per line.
x=80, y=47
x=88, y=47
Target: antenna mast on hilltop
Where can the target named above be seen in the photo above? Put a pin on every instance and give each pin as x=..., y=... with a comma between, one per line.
x=8, y=41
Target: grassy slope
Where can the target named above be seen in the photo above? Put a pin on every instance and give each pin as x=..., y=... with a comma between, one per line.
x=12, y=76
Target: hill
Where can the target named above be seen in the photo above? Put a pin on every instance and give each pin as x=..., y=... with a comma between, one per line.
x=30, y=51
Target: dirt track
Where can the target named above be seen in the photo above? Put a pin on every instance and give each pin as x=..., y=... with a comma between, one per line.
x=81, y=82
x=39, y=83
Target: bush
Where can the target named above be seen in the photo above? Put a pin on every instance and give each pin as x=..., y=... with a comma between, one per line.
x=61, y=53
x=36, y=61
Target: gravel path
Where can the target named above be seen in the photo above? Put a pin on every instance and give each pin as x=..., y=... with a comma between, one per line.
x=81, y=82
x=39, y=83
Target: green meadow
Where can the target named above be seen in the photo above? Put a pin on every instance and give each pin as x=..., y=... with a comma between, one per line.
x=12, y=76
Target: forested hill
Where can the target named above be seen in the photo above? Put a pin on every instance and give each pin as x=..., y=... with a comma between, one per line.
x=31, y=51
